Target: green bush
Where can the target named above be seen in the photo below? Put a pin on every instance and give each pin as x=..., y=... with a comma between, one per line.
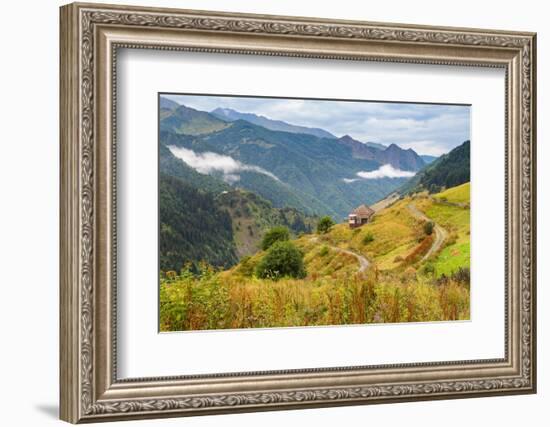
x=246, y=266
x=428, y=269
x=325, y=224
x=428, y=228
x=462, y=275
x=276, y=234
x=368, y=238
x=324, y=250
x=283, y=259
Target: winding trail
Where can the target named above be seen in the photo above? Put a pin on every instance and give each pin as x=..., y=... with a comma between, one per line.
x=384, y=203
x=440, y=233
x=363, y=262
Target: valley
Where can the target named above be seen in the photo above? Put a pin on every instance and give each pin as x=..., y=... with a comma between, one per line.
x=254, y=229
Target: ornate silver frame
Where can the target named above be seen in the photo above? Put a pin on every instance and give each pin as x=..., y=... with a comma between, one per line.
x=90, y=36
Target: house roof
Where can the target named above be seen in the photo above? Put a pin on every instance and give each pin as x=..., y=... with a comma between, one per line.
x=363, y=210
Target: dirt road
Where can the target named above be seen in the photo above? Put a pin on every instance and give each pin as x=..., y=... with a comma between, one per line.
x=384, y=203
x=440, y=232
x=363, y=262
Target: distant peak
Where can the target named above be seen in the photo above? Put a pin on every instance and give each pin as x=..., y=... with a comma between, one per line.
x=349, y=138
x=224, y=111
x=184, y=107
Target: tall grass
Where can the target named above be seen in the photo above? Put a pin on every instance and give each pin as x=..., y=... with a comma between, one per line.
x=458, y=194
x=213, y=301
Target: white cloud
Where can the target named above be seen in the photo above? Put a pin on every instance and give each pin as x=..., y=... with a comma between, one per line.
x=385, y=171
x=209, y=162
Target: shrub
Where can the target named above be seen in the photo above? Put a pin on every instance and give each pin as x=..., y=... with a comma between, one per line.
x=283, y=259
x=171, y=275
x=462, y=275
x=324, y=225
x=368, y=238
x=429, y=269
x=324, y=250
x=428, y=228
x=246, y=266
x=451, y=240
x=276, y=234
x=408, y=275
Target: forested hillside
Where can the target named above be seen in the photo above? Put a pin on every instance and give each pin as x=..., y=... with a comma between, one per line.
x=193, y=227
x=204, y=219
x=189, y=121
x=447, y=171
x=252, y=216
x=170, y=165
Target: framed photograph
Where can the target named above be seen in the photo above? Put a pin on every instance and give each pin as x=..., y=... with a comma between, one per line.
x=266, y=212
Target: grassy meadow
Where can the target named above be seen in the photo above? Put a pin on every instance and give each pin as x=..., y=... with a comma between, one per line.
x=403, y=282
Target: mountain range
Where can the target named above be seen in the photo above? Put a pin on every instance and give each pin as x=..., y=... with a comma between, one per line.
x=230, y=115
x=226, y=177
x=393, y=155
x=321, y=173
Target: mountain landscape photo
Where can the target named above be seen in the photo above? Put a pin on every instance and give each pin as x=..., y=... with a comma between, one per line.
x=282, y=212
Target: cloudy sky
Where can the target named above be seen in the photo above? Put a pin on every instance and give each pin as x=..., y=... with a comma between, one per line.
x=427, y=129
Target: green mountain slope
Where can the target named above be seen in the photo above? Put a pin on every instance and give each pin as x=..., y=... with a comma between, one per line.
x=308, y=165
x=170, y=165
x=252, y=216
x=447, y=171
x=201, y=214
x=227, y=114
x=189, y=121
x=280, y=194
x=428, y=159
x=193, y=227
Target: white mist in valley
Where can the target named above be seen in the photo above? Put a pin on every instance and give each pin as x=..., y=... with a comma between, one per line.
x=384, y=171
x=209, y=162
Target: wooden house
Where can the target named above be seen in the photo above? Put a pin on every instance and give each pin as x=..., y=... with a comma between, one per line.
x=360, y=216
